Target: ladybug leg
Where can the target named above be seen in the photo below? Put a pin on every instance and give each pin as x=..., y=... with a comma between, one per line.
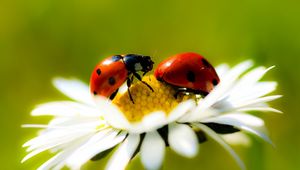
x=176, y=94
x=145, y=73
x=178, y=91
x=140, y=79
x=129, y=81
x=112, y=96
x=202, y=93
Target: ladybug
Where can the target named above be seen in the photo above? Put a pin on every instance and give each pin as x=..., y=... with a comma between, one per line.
x=113, y=71
x=188, y=72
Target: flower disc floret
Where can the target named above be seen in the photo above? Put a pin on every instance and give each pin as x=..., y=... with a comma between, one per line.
x=145, y=101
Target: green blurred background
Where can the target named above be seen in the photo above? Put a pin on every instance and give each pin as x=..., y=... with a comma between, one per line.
x=40, y=39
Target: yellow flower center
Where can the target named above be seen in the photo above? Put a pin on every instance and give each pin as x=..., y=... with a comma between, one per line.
x=146, y=101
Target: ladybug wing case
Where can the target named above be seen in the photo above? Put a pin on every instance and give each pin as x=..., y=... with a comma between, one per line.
x=188, y=70
x=107, y=77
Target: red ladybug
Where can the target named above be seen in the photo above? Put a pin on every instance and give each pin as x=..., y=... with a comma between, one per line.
x=113, y=71
x=189, y=72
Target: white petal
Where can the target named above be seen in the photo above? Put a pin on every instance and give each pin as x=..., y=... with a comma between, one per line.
x=65, y=108
x=183, y=140
x=58, y=159
x=218, y=139
x=75, y=89
x=34, y=126
x=181, y=110
x=249, y=79
x=122, y=156
x=249, y=123
x=150, y=122
x=45, y=142
x=38, y=147
x=258, y=132
x=48, y=141
x=35, y=152
x=257, y=101
x=263, y=109
x=154, y=121
x=198, y=115
x=228, y=81
x=48, y=135
x=111, y=113
x=222, y=70
x=93, y=147
x=152, y=151
x=251, y=92
x=53, y=161
x=75, y=122
x=235, y=118
x=238, y=138
x=75, y=125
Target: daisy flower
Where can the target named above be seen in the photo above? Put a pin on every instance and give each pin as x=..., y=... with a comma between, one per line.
x=88, y=128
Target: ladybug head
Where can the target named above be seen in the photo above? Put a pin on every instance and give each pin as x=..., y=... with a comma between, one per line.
x=135, y=62
x=147, y=64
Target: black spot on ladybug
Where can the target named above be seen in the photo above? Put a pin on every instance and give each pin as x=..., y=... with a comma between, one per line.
x=98, y=71
x=116, y=58
x=190, y=76
x=205, y=62
x=215, y=82
x=95, y=93
x=111, y=81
